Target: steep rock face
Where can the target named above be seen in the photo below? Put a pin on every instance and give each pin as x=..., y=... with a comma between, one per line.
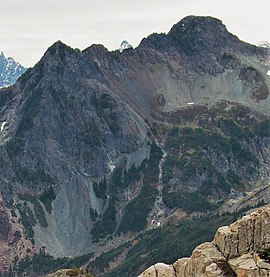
x=249, y=234
x=99, y=130
x=10, y=71
x=89, y=137
x=241, y=249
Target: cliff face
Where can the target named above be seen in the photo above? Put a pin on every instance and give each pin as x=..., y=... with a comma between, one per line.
x=241, y=249
x=96, y=144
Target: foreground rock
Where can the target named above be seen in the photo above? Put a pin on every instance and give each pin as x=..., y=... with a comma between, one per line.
x=70, y=272
x=241, y=249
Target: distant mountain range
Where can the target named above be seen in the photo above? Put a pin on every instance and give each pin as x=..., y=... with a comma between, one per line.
x=10, y=70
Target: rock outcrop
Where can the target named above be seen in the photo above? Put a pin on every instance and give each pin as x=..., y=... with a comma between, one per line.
x=69, y=273
x=241, y=249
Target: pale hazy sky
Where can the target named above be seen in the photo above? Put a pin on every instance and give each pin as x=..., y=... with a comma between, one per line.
x=29, y=27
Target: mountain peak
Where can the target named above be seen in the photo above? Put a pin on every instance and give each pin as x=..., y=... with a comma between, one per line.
x=124, y=45
x=57, y=46
x=59, y=43
x=10, y=70
x=200, y=25
x=195, y=34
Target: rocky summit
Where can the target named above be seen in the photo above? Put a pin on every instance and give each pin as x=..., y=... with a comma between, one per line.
x=97, y=147
x=241, y=249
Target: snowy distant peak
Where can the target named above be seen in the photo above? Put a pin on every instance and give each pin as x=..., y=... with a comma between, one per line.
x=124, y=45
x=264, y=44
x=10, y=70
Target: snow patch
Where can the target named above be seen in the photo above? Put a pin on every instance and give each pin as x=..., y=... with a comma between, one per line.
x=190, y=103
x=268, y=72
x=111, y=166
x=2, y=126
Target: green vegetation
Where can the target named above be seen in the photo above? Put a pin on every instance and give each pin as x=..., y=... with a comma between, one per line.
x=166, y=244
x=116, y=181
x=151, y=170
x=197, y=138
x=263, y=128
x=4, y=97
x=100, y=189
x=31, y=108
x=38, y=175
x=47, y=197
x=92, y=136
x=15, y=146
x=136, y=211
x=102, y=262
x=112, y=121
x=107, y=224
x=122, y=179
x=133, y=174
x=229, y=127
x=193, y=153
x=27, y=219
x=24, y=174
x=103, y=101
x=38, y=210
x=188, y=201
x=105, y=105
x=42, y=263
x=93, y=214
